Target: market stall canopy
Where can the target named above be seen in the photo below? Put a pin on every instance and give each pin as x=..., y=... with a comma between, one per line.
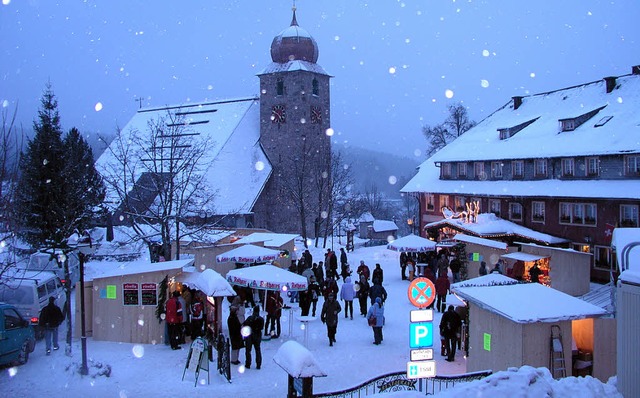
x=208, y=281
x=526, y=257
x=267, y=277
x=248, y=254
x=412, y=243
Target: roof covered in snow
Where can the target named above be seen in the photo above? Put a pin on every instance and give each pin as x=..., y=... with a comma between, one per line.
x=480, y=241
x=524, y=302
x=627, y=237
x=107, y=269
x=270, y=239
x=275, y=67
x=488, y=225
x=613, y=128
x=384, y=225
x=236, y=168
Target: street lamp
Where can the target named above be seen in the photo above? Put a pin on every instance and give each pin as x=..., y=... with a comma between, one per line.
x=410, y=223
x=85, y=248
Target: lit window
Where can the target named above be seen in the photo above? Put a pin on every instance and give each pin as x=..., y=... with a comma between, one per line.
x=460, y=203
x=591, y=164
x=537, y=214
x=568, y=167
x=540, y=167
x=496, y=169
x=444, y=201
x=629, y=216
x=515, y=211
x=517, y=167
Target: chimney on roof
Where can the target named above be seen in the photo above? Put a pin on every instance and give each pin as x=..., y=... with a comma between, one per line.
x=635, y=70
x=611, y=83
x=517, y=101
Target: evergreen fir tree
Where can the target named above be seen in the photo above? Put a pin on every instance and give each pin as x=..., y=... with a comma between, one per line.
x=84, y=188
x=40, y=190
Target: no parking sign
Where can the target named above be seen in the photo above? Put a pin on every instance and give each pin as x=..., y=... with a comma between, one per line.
x=421, y=292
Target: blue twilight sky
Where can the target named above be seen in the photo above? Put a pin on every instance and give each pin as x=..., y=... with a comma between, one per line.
x=395, y=63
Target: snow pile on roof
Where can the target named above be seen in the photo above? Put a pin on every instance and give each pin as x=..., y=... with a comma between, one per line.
x=297, y=360
x=530, y=382
x=366, y=217
x=106, y=269
x=384, y=225
x=524, y=302
x=275, y=67
x=489, y=225
x=480, y=241
x=542, y=139
x=270, y=239
x=620, y=239
x=208, y=281
x=412, y=243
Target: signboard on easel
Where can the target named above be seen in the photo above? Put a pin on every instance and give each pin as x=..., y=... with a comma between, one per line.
x=197, y=359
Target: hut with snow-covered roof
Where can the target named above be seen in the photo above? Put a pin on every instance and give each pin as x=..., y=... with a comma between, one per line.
x=510, y=325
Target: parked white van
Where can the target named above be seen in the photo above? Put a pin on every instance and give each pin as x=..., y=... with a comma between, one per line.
x=29, y=292
x=42, y=261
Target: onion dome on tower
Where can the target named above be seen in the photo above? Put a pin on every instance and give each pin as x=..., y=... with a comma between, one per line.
x=294, y=43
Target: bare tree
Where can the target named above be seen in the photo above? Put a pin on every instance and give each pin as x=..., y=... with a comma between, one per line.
x=338, y=192
x=456, y=124
x=158, y=178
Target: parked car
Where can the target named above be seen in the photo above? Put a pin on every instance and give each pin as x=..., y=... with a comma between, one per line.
x=17, y=336
x=42, y=261
x=29, y=292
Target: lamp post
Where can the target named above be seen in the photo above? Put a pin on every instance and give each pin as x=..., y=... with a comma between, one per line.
x=410, y=223
x=85, y=248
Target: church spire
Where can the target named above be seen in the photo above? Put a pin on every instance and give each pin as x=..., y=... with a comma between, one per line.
x=294, y=22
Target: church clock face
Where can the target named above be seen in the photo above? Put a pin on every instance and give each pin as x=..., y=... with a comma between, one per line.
x=316, y=114
x=278, y=114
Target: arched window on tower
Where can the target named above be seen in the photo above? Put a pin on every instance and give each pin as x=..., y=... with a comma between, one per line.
x=314, y=85
x=280, y=87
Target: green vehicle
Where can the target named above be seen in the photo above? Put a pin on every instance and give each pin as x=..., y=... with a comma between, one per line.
x=17, y=337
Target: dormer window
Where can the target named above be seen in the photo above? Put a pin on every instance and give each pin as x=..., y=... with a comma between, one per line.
x=509, y=132
x=572, y=123
x=445, y=170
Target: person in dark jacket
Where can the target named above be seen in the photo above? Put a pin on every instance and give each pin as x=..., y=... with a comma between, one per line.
x=50, y=318
x=235, y=336
x=449, y=329
x=313, y=293
x=362, y=288
x=343, y=258
x=535, y=272
x=274, y=312
x=378, y=274
x=256, y=323
x=318, y=272
x=442, y=289
x=173, y=317
x=455, y=266
x=329, y=315
x=403, y=265
x=377, y=290
x=483, y=269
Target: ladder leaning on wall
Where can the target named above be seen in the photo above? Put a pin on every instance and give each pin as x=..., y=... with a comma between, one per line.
x=557, y=365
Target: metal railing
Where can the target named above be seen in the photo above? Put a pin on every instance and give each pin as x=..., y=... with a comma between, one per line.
x=398, y=381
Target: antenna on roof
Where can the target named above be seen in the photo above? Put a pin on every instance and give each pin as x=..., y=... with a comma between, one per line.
x=139, y=100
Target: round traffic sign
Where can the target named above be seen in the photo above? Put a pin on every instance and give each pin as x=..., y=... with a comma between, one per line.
x=421, y=292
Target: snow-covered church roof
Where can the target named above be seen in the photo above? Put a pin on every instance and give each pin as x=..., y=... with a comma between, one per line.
x=608, y=123
x=239, y=168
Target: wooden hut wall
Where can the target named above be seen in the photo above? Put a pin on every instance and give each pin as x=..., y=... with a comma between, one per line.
x=536, y=340
x=605, y=336
x=88, y=309
x=487, y=254
x=114, y=321
x=505, y=346
x=569, y=271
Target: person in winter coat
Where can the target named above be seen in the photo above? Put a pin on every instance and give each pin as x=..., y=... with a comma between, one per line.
x=363, y=269
x=173, y=317
x=377, y=311
x=313, y=293
x=329, y=315
x=238, y=304
x=331, y=286
x=378, y=274
x=345, y=272
x=377, y=290
x=483, y=268
x=449, y=329
x=305, y=302
x=348, y=293
x=274, y=311
x=333, y=262
x=411, y=268
x=363, y=292
x=256, y=323
x=455, y=266
x=534, y=273
x=403, y=265
x=308, y=273
x=343, y=257
x=50, y=318
x=497, y=269
x=443, y=287
x=318, y=272
x=185, y=317
x=443, y=264
x=197, y=316
x=235, y=336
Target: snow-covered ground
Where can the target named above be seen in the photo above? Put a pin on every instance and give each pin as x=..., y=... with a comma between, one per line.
x=156, y=370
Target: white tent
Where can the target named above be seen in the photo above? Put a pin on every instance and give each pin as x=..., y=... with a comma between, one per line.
x=267, y=277
x=208, y=281
x=412, y=243
x=248, y=254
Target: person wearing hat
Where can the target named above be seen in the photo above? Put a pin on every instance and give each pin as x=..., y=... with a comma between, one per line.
x=313, y=292
x=50, y=318
x=329, y=316
x=375, y=316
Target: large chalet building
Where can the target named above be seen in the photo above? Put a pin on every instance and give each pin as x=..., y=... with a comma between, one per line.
x=265, y=153
x=564, y=162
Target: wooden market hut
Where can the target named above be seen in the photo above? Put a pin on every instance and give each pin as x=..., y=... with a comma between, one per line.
x=121, y=302
x=510, y=324
x=478, y=250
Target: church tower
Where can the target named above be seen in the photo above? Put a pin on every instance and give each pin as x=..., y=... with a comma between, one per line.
x=294, y=123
